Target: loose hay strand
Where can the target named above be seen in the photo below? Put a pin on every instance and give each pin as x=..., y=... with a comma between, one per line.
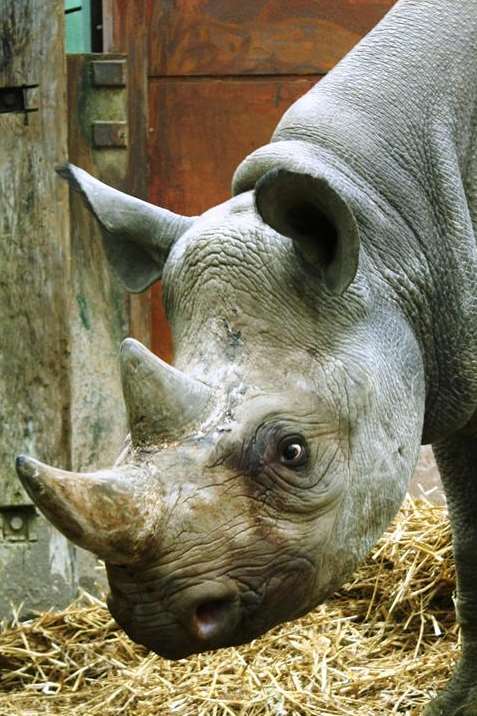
x=382, y=645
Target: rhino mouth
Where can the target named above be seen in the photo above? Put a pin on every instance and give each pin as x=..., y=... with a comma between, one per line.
x=171, y=646
x=215, y=625
x=212, y=615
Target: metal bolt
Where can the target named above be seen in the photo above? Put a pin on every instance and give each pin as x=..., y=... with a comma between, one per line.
x=16, y=523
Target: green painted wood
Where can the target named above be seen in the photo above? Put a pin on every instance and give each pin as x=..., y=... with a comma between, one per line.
x=78, y=26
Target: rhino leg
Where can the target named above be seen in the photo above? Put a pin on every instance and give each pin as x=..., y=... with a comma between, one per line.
x=457, y=460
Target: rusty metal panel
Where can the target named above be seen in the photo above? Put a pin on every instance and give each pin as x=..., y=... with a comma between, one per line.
x=255, y=37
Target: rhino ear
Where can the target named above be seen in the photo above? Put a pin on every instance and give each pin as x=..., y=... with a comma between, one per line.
x=137, y=236
x=311, y=212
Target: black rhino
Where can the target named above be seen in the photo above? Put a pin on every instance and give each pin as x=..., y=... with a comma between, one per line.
x=325, y=325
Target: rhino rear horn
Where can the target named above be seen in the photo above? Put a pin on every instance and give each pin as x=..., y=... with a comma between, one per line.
x=160, y=400
x=311, y=211
x=137, y=235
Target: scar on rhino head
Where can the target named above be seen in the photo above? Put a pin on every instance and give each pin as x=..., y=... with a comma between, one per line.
x=247, y=490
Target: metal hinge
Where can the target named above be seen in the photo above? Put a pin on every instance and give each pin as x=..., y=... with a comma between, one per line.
x=21, y=99
x=109, y=73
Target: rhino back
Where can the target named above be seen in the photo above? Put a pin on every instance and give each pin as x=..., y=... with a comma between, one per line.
x=408, y=86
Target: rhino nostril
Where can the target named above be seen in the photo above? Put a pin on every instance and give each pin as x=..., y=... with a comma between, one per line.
x=214, y=618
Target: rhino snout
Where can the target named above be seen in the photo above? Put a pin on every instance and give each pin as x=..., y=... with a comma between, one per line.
x=203, y=617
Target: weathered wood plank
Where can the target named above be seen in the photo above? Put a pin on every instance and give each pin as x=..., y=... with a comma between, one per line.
x=34, y=246
x=191, y=163
x=98, y=309
x=213, y=37
x=37, y=564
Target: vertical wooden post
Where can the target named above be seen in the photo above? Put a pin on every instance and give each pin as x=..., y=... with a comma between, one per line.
x=36, y=562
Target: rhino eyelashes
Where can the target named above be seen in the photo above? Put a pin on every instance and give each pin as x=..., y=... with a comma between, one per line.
x=293, y=451
x=160, y=400
x=269, y=446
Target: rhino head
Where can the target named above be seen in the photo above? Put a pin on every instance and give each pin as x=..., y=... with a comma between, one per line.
x=264, y=464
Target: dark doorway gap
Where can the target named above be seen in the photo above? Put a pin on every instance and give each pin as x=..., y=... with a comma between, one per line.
x=96, y=26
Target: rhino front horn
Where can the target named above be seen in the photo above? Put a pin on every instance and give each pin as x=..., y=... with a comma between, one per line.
x=160, y=400
x=101, y=511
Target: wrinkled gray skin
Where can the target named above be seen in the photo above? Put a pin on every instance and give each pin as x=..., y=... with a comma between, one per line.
x=324, y=322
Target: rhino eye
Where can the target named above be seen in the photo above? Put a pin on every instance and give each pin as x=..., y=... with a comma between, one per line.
x=293, y=451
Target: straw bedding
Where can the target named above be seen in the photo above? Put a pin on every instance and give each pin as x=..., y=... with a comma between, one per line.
x=382, y=645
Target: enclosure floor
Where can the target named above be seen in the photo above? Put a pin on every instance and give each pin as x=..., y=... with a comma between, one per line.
x=382, y=645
